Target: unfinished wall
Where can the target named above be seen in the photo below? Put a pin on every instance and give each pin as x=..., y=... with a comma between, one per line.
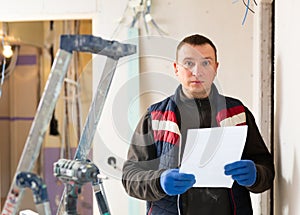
x=20, y=98
x=21, y=94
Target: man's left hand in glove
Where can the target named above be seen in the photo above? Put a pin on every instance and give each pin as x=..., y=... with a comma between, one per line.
x=243, y=171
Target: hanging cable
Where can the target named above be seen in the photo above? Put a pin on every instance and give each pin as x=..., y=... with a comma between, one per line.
x=247, y=5
x=140, y=9
x=3, y=70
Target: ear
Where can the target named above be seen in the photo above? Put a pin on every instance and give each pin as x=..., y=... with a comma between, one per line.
x=217, y=65
x=175, y=65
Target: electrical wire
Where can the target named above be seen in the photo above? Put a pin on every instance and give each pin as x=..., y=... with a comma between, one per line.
x=247, y=6
x=3, y=70
x=140, y=9
x=247, y=9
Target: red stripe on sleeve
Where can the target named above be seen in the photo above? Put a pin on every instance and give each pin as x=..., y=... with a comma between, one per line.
x=226, y=113
x=166, y=136
x=164, y=116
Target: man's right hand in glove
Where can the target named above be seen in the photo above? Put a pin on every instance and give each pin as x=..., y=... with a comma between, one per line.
x=174, y=183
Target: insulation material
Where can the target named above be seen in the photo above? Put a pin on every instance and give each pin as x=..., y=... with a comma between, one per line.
x=17, y=109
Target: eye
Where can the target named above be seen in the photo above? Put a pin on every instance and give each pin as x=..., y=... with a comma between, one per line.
x=189, y=64
x=205, y=63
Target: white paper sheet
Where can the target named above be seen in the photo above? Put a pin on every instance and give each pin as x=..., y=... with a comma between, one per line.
x=208, y=150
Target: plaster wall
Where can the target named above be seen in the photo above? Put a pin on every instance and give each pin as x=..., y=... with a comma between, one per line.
x=287, y=147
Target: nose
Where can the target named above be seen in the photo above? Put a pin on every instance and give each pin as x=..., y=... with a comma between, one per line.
x=197, y=71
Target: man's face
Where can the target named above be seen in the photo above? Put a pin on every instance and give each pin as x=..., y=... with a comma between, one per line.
x=196, y=68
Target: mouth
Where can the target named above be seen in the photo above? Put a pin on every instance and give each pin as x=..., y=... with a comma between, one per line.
x=197, y=82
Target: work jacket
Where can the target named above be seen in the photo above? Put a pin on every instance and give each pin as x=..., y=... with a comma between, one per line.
x=158, y=144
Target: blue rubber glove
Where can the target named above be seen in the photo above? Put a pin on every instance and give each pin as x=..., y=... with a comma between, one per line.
x=174, y=183
x=243, y=171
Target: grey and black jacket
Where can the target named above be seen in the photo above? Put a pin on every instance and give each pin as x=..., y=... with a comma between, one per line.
x=158, y=144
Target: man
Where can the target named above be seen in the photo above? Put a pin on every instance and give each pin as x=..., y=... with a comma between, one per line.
x=151, y=171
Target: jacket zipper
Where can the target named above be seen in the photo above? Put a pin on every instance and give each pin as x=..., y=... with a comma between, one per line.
x=200, y=112
x=233, y=202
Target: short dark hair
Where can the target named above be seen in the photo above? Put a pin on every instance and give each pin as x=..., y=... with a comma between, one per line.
x=195, y=40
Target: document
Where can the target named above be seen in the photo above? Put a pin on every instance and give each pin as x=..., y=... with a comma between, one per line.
x=208, y=150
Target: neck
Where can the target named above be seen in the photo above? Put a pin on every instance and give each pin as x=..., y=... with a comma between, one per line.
x=196, y=95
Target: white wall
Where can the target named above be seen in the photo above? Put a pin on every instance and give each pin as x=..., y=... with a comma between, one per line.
x=287, y=67
x=219, y=20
